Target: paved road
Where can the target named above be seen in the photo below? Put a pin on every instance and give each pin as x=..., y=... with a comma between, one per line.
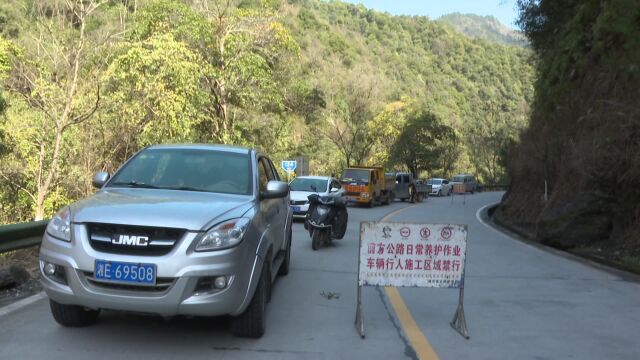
x=521, y=303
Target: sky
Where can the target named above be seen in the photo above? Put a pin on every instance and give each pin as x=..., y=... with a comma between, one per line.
x=504, y=10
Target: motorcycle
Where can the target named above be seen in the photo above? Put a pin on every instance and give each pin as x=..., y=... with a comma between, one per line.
x=326, y=219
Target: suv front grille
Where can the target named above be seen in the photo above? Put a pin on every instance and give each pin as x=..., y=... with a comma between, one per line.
x=298, y=202
x=152, y=241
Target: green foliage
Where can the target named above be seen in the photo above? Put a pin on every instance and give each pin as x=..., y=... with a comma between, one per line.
x=154, y=90
x=422, y=143
x=484, y=27
x=585, y=120
x=336, y=82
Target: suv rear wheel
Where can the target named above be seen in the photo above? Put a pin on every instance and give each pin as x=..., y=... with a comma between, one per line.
x=73, y=315
x=252, y=322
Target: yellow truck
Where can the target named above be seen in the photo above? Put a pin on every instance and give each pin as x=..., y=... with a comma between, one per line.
x=368, y=185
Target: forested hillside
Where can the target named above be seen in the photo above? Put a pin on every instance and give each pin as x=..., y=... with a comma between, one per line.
x=484, y=27
x=583, y=140
x=85, y=84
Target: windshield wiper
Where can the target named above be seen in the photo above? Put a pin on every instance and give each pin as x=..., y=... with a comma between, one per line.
x=134, y=184
x=185, y=188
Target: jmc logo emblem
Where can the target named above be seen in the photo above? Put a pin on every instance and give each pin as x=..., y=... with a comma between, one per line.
x=131, y=240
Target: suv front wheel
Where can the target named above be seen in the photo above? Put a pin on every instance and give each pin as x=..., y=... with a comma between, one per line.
x=73, y=315
x=252, y=322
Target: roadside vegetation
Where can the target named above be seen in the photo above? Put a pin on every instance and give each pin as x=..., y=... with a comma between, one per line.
x=582, y=141
x=85, y=84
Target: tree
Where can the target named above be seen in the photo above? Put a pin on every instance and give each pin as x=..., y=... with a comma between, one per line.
x=349, y=111
x=47, y=78
x=387, y=126
x=422, y=142
x=153, y=90
x=488, y=135
x=249, y=45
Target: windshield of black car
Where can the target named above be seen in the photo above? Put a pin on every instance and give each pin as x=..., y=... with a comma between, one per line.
x=187, y=169
x=306, y=184
x=434, y=182
x=356, y=175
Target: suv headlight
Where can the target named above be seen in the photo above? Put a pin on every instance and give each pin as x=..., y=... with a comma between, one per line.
x=224, y=235
x=60, y=226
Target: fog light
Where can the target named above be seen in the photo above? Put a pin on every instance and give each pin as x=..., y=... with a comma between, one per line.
x=211, y=284
x=220, y=282
x=54, y=272
x=49, y=269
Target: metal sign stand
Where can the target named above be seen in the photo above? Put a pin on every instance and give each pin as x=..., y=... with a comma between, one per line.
x=359, y=318
x=459, y=322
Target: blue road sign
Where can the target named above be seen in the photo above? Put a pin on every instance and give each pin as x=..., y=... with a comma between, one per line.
x=289, y=165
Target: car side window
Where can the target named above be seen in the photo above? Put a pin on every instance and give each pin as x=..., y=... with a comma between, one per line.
x=405, y=179
x=337, y=185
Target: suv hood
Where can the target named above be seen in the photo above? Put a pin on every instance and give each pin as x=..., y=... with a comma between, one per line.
x=159, y=208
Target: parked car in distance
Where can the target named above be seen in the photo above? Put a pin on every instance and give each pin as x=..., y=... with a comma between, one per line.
x=303, y=186
x=195, y=230
x=404, y=181
x=440, y=187
x=468, y=180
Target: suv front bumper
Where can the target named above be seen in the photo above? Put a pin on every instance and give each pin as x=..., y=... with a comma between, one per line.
x=178, y=272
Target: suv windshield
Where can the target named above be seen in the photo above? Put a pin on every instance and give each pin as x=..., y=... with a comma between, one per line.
x=302, y=184
x=434, y=182
x=357, y=175
x=187, y=169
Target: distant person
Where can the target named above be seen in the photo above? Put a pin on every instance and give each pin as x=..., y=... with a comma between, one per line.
x=412, y=194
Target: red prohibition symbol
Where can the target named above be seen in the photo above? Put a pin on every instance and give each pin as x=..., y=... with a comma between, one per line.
x=425, y=232
x=405, y=232
x=446, y=233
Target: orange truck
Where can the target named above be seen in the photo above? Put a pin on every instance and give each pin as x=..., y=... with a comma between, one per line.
x=368, y=185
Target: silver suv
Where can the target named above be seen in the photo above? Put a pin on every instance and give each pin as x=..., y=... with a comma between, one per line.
x=178, y=230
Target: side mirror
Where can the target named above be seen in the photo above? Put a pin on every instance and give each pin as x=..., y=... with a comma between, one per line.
x=100, y=179
x=275, y=189
x=333, y=190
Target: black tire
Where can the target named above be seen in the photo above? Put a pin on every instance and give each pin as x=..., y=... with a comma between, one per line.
x=370, y=204
x=316, y=239
x=284, y=268
x=73, y=315
x=252, y=322
x=403, y=199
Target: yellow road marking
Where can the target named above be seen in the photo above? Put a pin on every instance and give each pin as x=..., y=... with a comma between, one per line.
x=418, y=340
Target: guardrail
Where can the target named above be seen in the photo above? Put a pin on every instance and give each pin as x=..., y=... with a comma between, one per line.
x=21, y=235
x=493, y=187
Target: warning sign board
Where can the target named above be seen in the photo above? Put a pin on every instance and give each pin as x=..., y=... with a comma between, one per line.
x=418, y=255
